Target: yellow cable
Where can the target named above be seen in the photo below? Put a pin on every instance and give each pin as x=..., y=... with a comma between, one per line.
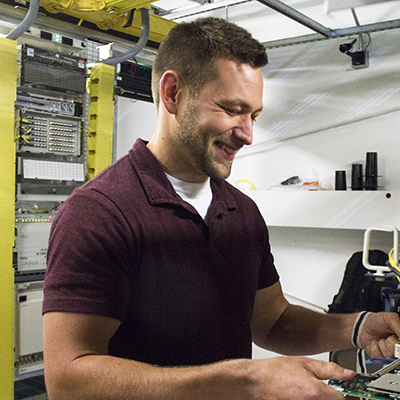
x=247, y=181
x=393, y=263
x=26, y=140
x=88, y=84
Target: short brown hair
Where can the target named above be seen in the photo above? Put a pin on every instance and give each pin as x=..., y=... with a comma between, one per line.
x=192, y=50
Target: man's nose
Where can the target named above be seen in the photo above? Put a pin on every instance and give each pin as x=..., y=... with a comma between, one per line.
x=244, y=131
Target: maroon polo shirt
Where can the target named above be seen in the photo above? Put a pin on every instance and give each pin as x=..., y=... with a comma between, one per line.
x=126, y=246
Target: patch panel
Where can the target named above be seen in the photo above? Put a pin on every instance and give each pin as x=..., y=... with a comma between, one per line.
x=43, y=133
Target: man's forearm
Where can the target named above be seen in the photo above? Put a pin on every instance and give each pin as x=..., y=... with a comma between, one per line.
x=107, y=378
x=104, y=377
x=307, y=332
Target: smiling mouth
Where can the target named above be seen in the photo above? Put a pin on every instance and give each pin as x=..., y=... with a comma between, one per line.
x=229, y=152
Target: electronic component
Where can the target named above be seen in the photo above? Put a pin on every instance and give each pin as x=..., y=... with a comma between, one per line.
x=363, y=386
x=49, y=70
x=77, y=43
x=397, y=350
x=360, y=58
x=356, y=386
x=44, y=133
x=28, y=327
x=32, y=236
x=134, y=81
x=49, y=174
x=387, y=384
x=37, y=103
x=381, y=385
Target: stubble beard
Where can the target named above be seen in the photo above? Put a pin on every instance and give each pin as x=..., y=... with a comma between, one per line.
x=195, y=140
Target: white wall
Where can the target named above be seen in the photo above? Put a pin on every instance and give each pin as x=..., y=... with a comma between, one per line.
x=320, y=113
x=133, y=119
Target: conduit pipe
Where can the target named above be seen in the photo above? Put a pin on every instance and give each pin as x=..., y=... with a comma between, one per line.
x=26, y=22
x=144, y=37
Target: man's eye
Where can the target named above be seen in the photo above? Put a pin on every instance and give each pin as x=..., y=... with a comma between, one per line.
x=232, y=112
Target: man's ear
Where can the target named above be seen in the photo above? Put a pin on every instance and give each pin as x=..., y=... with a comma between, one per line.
x=170, y=84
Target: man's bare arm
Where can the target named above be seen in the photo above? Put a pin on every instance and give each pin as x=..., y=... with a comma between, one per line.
x=294, y=330
x=77, y=367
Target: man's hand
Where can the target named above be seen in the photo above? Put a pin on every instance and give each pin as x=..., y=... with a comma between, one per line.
x=300, y=378
x=380, y=333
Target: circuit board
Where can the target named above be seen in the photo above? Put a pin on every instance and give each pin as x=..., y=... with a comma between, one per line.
x=384, y=384
x=367, y=387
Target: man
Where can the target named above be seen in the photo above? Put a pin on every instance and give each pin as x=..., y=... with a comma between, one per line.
x=160, y=273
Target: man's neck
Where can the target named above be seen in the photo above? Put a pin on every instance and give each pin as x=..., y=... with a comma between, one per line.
x=166, y=155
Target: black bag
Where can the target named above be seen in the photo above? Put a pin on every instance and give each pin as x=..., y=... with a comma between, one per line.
x=360, y=290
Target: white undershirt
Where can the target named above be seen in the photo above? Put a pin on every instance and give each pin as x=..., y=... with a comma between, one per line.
x=199, y=195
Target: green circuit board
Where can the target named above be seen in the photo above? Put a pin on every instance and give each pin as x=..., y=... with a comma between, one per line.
x=366, y=395
x=366, y=386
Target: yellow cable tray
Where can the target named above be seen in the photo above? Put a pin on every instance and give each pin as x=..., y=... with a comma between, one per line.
x=112, y=14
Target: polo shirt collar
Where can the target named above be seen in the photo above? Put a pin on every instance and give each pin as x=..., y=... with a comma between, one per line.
x=160, y=191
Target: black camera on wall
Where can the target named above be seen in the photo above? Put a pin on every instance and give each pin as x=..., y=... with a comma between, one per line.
x=359, y=59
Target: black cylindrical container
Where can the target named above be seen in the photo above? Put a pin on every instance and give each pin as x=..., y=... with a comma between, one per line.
x=371, y=171
x=356, y=177
x=340, y=180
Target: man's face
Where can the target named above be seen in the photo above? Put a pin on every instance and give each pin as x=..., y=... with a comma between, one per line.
x=218, y=122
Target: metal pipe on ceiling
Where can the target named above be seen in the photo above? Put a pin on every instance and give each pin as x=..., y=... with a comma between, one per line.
x=343, y=32
x=297, y=16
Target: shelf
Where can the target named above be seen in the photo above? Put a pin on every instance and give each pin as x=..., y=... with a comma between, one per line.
x=329, y=209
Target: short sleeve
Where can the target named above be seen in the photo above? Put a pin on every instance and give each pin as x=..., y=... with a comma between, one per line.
x=268, y=275
x=89, y=259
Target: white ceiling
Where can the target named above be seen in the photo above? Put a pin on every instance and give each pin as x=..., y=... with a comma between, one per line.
x=332, y=5
x=268, y=25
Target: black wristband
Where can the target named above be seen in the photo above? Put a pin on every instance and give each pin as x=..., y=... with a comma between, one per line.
x=358, y=324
